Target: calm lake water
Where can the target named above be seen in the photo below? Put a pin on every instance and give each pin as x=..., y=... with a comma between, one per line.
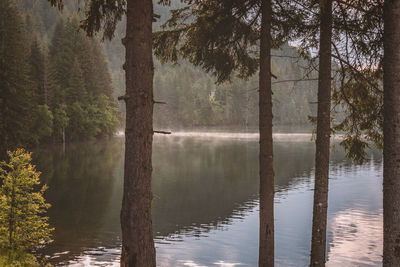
x=205, y=208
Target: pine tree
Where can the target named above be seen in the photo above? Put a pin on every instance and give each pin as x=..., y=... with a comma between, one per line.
x=22, y=224
x=391, y=131
x=37, y=72
x=61, y=62
x=103, y=80
x=75, y=90
x=16, y=108
x=82, y=79
x=61, y=121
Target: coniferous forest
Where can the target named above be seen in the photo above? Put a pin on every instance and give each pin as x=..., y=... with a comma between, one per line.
x=192, y=97
x=54, y=89
x=146, y=133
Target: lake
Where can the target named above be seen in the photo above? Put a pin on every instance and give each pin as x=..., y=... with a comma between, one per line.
x=205, y=207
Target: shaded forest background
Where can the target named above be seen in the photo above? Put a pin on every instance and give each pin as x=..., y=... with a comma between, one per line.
x=79, y=80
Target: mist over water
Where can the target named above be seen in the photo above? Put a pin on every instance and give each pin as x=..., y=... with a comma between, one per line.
x=205, y=206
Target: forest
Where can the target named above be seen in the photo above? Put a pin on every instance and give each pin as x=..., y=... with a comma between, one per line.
x=205, y=123
x=192, y=97
x=56, y=89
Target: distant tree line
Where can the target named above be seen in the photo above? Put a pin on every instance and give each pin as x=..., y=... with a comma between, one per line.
x=190, y=93
x=55, y=91
x=362, y=37
x=193, y=99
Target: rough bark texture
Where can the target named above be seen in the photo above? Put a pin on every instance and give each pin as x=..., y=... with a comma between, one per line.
x=318, y=243
x=266, y=246
x=391, y=131
x=3, y=141
x=137, y=238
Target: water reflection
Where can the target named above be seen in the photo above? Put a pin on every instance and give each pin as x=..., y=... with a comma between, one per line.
x=205, y=208
x=355, y=232
x=84, y=195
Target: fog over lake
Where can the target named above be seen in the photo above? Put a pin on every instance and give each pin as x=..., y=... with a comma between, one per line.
x=205, y=204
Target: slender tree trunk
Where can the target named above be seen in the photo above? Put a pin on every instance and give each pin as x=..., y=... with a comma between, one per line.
x=266, y=247
x=3, y=146
x=45, y=84
x=3, y=132
x=11, y=222
x=391, y=131
x=63, y=139
x=137, y=237
x=318, y=243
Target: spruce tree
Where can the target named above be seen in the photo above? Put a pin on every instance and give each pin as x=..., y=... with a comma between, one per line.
x=75, y=90
x=391, y=131
x=37, y=68
x=16, y=108
x=22, y=224
x=82, y=79
x=61, y=62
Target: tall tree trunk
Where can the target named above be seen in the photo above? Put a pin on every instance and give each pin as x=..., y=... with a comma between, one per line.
x=391, y=131
x=137, y=237
x=3, y=145
x=266, y=247
x=3, y=132
x=318, y=243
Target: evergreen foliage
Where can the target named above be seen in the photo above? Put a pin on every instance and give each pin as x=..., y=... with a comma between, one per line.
x=175, y=83
x=22, y=205
x=193, y=98
x=83, y=84
x=222, y=38
x=43, y=85
x=16, y=88
x=357, y=53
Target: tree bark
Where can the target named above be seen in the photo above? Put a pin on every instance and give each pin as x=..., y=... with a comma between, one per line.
x=137, y=237
x=63, y=139
x=318, y=243
x=266, y=246
x=391, y=131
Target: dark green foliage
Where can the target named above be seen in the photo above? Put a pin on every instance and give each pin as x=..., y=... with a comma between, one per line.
x=215, y=35
x=37, y=68
x=357, y=54
x=16, y=88
x=78, y=123
x=40, y=86
x=61, y=120
x=193, y=99
x=75, y=90
x=362, y=101
x=191, y=96
x=83, y=84
x=222, y=37
x=206, y=32
x=43, y=127
x=99, y=15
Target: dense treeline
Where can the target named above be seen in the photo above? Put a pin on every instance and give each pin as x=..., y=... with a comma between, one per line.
x=193, y=98
x=219, y=36
x=191, y=95
x=55, y=90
